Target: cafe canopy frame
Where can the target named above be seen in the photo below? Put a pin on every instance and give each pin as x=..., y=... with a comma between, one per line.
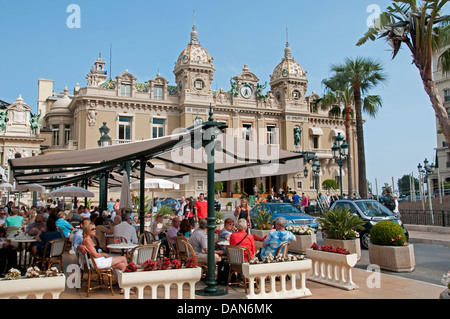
x=235, y=158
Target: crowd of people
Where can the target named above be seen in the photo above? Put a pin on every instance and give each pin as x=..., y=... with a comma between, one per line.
x=48, y=222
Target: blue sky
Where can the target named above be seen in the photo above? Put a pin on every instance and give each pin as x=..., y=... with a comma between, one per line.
x=148, y=36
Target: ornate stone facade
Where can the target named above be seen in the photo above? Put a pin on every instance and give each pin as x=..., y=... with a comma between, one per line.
x=136, y=111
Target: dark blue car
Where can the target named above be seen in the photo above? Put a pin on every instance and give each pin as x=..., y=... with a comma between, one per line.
x=293, y=215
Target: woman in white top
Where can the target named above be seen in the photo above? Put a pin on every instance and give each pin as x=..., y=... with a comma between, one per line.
x=154, y=227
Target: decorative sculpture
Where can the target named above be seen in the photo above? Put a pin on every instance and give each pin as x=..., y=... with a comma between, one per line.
x=34, y=121
x=297, y=135
x=3, y=119
x=259, y=89
x=234, y=88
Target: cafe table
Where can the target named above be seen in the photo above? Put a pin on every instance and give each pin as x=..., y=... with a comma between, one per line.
x=23, y=242
x=121, y=246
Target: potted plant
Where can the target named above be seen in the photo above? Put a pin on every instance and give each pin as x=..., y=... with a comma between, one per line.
x=220, y=217
x=168, y=213
x=332, y=266
x=339, y=228
x=389, y=249
x=262, y=222
x=237, y=193
x=305, y=236
x=229, y=206
x=35, y=282
x=165, y=272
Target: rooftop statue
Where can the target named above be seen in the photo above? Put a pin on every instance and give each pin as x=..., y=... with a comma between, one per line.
x=34, y=121
x=3, y=119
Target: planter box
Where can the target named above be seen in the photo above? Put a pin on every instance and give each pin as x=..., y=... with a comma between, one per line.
x=302, y=243
x=332, y=269
x=24, y=287
x=261, y=233
x=352, y=245
x=292, y=268
x=393, y=258
x=141, y=279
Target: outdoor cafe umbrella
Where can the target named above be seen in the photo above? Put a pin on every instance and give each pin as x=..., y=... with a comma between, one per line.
x=29, y=188
x=6, y=187
x=71, y=191
x=155, y=184
x=125, y=196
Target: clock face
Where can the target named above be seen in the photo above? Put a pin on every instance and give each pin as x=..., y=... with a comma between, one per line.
x=246, y=91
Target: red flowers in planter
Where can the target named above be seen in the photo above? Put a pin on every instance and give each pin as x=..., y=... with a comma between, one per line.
x=131, y=267
x=330, y=249
x=165, y=263
x=190, y=262
x=149, y=265
x=176, y=264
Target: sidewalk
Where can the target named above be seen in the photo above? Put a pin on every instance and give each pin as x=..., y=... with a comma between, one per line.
x=429, y=235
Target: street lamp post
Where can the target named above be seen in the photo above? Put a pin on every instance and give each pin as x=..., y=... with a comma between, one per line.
x=211, y=130
x=340, y=153
x=426, y=171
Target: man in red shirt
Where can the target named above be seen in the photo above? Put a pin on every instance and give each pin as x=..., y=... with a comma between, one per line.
x=201, y=207
x=242, y=238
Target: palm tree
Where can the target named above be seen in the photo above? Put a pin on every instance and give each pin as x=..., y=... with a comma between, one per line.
x=426, y=33
x=339, y=102
x=361, y=75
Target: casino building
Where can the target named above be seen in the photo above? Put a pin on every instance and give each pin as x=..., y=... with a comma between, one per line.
x=134, y=110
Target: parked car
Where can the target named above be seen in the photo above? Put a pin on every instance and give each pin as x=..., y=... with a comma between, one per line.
x=371, y=211
x=171, y=202
x=293, y=215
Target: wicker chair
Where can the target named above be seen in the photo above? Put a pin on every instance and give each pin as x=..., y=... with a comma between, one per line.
x=282, y=250
x=142, y=253
x=181, y=251
x=191, y=253
x=172, y=251
x=235, y=255
x=55, y=256
x=92, y=268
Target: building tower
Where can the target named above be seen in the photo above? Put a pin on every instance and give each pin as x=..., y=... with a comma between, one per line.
x=98, y=73
x=194, y=69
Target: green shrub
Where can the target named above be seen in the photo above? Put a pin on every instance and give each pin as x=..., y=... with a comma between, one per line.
x=387, y=233
x=340, y=224
x=166, y=211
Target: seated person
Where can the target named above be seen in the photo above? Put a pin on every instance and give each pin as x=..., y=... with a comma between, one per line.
x=185, y=228
x=36, y=226
x=62, y=223
x=8, y=254
x=228, y=229
x=126, y=230
x=101, y=231
x=102, y=260
x=275, y=239
x=200, y=245
x=14, y=219
x=50, y=233
x=242, y=238
x=77, y=240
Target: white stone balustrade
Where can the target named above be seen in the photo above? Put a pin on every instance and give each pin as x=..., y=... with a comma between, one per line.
x=332, y=268
x=272, y=270
x=141, y=279
x=38, y=287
